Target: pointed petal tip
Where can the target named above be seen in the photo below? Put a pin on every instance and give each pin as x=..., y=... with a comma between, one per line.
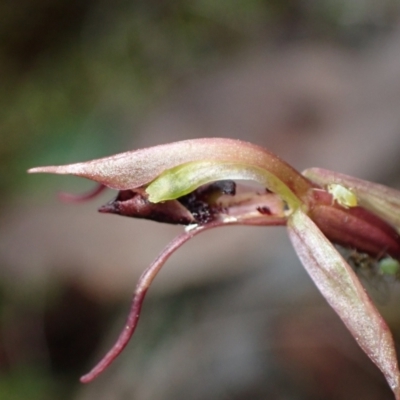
x=51, y=169
x=35, y=170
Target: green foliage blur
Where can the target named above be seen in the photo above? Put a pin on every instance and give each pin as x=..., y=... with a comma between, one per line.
x=71, y=71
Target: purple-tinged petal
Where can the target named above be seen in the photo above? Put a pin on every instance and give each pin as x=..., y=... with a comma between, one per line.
x=135, y=204
x=353, y=227
x=135, y=169
x=341, y=288
x=379, y=199
x=357, y=228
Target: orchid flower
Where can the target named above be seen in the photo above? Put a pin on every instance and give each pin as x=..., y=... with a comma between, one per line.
x=193, y=183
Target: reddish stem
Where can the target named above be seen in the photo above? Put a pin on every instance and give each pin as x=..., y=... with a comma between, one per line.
x=147, y=278
x=144, y=282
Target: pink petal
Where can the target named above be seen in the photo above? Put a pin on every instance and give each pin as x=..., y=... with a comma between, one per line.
x=343, y=291
x=134, y=169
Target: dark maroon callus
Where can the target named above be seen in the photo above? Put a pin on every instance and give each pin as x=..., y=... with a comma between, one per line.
x=130, y=203
x=203, y=202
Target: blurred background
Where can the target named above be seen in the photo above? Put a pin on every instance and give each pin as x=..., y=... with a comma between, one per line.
x=233, y=315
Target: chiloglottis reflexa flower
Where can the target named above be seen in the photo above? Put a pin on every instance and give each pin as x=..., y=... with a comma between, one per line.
x=193, y=183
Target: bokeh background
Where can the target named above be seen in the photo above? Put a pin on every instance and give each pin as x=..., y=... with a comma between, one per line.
x=233, y=315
